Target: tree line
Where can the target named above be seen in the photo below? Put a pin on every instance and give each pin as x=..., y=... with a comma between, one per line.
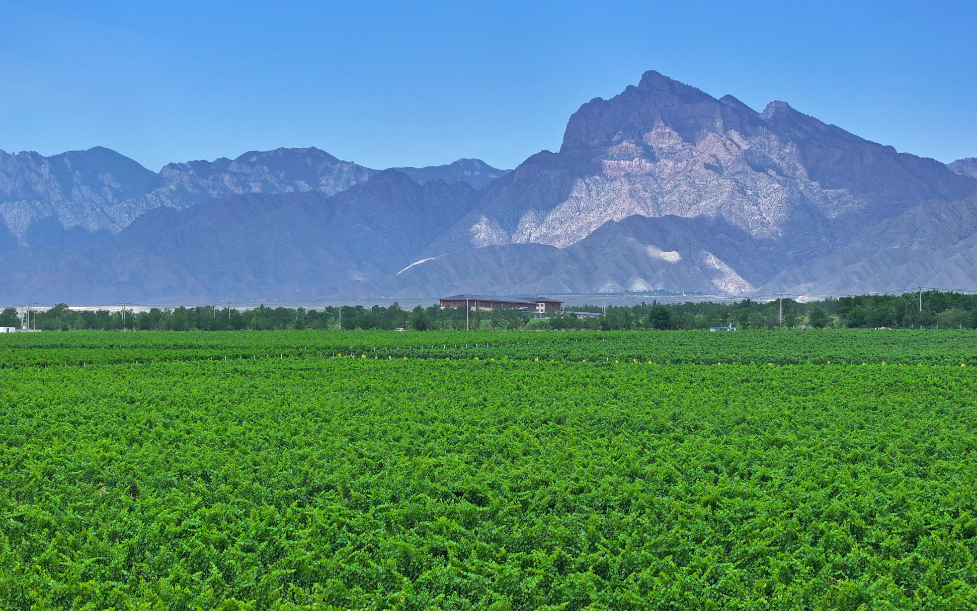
x=929, y=309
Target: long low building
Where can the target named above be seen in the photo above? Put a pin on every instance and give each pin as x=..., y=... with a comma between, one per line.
x=485, y=302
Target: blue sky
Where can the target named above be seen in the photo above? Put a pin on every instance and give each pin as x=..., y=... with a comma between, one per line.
x=392, y=84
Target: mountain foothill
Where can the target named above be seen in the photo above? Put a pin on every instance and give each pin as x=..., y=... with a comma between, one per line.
x=662, y=188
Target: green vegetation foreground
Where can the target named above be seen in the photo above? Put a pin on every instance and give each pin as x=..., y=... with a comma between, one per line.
x=296, y=479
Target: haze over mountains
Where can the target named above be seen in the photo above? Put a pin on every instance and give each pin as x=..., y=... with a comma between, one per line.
x=662, y=187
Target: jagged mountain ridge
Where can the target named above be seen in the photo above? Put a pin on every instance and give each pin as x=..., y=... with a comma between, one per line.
x=965, y=167
x=661, y=187
x=180, y=185
x=665, y=148
x=74, y=189
x=475, y=172
x=73, y=197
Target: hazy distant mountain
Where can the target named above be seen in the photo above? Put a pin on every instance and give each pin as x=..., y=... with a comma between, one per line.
x=965, y=167
x=475, y=172
x=179, y=185
x=662, y=187
x=933, y=244
x=254, y=246
x=74, y=197
x=70, y=190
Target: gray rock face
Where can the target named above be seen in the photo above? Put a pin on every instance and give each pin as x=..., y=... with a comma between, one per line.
x=664, y=148
x=965, y=167
x=74, y=190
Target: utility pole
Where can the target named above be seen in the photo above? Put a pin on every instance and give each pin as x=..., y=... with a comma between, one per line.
x=604, y=305
x=123, y=316
x=920, y=289
x=468, y=310
x=780, y=304
x=340, y=313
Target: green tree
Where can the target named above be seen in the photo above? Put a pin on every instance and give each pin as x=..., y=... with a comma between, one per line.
x=419, y=320
x=563, y=321
x=178, y=320
x=660, y=317
x=818, y=318
x=9, y=318
x=856, y=317
x=882, y=314
x=954, y=318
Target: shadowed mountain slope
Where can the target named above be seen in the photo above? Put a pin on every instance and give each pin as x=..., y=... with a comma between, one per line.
x=933, y=244
x=635, y=254
x=246, y=246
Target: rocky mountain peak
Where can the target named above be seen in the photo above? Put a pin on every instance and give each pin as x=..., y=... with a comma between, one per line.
x=657, y=101
x=789, y=180
x=965, y=167
x=776, y=107
x=736, y=104
x=667, y=91
x=97, y=174
x=660, y=186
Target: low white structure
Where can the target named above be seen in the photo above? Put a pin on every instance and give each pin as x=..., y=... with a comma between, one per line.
x=8, y=329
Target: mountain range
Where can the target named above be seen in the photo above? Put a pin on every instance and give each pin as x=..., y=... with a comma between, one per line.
x=90, y=192
x=660, y=188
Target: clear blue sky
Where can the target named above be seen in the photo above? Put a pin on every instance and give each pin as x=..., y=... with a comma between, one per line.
x=388, y=84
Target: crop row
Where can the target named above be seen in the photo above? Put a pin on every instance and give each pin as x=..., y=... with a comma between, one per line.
x=693, y=347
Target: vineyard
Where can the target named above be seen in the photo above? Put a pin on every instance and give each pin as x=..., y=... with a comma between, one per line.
x=443, y=470
x=794, y=347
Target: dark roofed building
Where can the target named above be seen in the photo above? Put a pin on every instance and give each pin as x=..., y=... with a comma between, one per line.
x=486, y=302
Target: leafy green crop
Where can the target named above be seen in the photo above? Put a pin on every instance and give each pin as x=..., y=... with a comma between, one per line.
x=852, y=346
x=286, y=477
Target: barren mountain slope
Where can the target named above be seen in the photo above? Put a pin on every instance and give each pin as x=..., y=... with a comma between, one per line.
x=664, y=148
x=705, y=256
x=74, y=189
x=933, y=244
x=256, y=246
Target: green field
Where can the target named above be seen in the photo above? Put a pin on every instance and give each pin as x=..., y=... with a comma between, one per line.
x=378, y=470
